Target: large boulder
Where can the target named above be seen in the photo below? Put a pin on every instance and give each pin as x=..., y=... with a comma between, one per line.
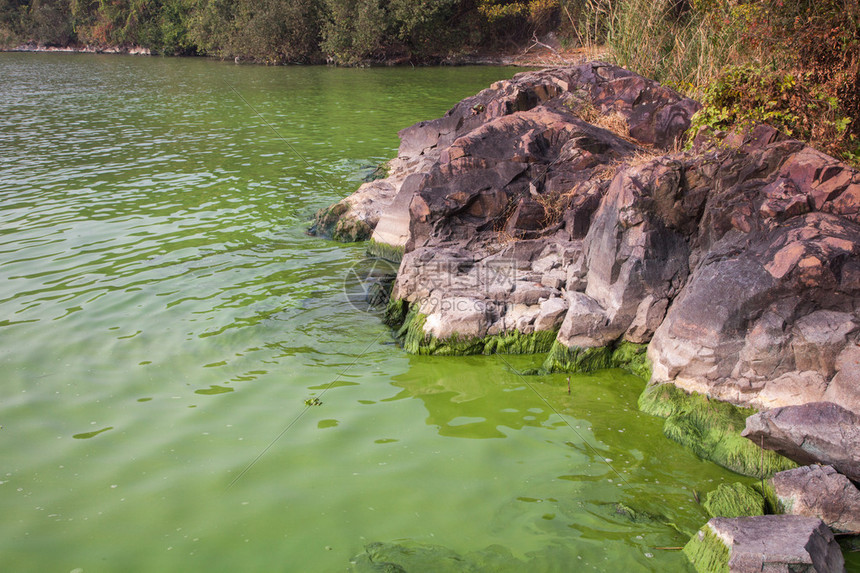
x=737, y=262
x=819, y=491
x=818, y=432
x=518, y=174
x=770, y=304
x=773, y=543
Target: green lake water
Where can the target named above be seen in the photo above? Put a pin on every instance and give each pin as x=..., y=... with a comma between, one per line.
x=164, y=317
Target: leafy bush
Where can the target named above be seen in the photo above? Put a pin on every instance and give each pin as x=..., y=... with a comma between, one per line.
x=49, y=22
x=355, y=29
x=269, y=31
x=12, y=17
x=745, y=95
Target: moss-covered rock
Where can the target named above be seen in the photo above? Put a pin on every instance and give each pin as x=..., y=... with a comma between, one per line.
x=349, y=230
x=626, y=355
x=396, y=312
x=326, y=218
x=734, y=500
x=712, y=429
x=772, y=506
x=335, y=222
x=707, y=552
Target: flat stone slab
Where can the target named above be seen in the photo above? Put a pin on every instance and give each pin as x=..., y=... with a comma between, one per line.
x=818, y=432
x=776, y=543
x=820, y=491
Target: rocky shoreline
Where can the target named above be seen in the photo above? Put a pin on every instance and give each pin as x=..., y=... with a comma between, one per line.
x=557, y=213
x=86, y=49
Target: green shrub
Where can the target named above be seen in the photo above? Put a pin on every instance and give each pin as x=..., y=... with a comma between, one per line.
x=355, y=29
x=268, y=31
x=745, y=95
x=12, y=16
x=49, y=22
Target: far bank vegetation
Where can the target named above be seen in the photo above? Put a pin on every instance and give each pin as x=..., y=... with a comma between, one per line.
x=792, y=63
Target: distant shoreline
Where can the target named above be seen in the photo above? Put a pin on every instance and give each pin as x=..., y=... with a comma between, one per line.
x=33, y=47
x=535, y=57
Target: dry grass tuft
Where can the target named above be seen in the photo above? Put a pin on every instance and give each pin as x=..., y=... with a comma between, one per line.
x=615, y=122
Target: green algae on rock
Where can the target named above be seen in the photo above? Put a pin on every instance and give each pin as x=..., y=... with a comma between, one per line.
x=711, y=429
x=707, y=552
x=626, y=355
x=635, y=514
x=409, y=324
x=734, y=500
x=385, y=251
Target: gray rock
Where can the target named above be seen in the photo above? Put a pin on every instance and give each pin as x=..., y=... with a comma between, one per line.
x=546, y=263
x=819, y=338
x=586, y=324
x=844, y=388
x=393, y=225
x=522, y=317
x=649, y=315
x=791, y=389
x=459, y=316
x=632, y=253
x=778, y=543
x=555, y=278
x=552, y=312
x=819, y=491
x=531, y=293
x=818, y=432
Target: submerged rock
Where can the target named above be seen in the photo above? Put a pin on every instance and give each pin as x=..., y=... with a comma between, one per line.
x=819, y=491
x=819, y=432
x=778, y=543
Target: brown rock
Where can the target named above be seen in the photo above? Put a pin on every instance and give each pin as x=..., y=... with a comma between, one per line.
x=844, y=388
x=819, y=491
x=778, y=543
x=818, y=432
x=738, y=262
